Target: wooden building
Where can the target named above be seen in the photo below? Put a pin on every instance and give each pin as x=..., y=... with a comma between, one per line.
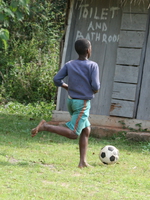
x=120, y=37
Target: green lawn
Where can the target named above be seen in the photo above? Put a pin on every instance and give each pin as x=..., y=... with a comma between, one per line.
x=45, y=167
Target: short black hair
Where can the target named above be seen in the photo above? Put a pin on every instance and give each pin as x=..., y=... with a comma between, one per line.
x=81, y=46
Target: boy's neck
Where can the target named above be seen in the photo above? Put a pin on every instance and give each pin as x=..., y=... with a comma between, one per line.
x=81, y=57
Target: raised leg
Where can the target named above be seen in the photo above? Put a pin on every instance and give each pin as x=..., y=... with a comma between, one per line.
x=60, y=130
x=83, y=144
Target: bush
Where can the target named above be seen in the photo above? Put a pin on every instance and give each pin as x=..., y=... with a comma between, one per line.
x=32, y=59
x=34, y=110
x=32, y=81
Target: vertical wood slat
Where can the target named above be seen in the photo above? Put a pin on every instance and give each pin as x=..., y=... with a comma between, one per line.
x=143, y=111
x=61, y=97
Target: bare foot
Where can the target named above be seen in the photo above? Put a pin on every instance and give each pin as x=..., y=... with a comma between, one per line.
x=37, y=129
x=84, y=164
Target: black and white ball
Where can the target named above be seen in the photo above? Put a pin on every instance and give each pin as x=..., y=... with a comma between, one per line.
x=109, y=154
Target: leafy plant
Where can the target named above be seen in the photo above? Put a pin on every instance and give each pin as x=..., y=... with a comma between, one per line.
x=146, y=148
x=36, y=110
x=28, y=66
x=10, y=10
x=123, y=124
x=139, y=125
x=33, y=81
x=4, y=37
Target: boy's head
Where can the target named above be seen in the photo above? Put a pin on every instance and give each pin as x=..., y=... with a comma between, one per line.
x=83, y=47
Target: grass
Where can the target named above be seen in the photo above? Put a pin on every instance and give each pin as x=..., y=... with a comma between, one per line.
x=45, y=167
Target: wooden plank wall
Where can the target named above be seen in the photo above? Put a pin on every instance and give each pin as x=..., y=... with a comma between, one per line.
x=132, y=35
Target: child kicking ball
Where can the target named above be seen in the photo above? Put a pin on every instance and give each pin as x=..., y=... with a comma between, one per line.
x=83, y=83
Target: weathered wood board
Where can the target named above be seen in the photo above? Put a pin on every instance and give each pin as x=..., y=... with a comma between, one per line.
x=126, y=74
x=131, y=39
x=134, y=7
x=124, y=91
x=127, y=56
x=122, y=108
x=134, y=22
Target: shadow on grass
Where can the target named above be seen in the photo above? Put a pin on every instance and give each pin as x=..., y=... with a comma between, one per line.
x=21, y=164
x=12, y=162
x=15, y=131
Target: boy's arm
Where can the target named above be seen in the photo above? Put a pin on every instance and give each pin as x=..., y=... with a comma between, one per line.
x=65, y=86
x=58, y=78
x=95, y=80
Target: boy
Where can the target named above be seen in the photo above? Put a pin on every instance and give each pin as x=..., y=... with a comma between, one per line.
x=83, y=83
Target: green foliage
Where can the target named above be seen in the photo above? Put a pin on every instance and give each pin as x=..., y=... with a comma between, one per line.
x=4, y=36
x=31, y=81
x=139, y=125
x=10, y=10
x=28, y=66
x=34, y=110
x=123, y=124
x=146, y=148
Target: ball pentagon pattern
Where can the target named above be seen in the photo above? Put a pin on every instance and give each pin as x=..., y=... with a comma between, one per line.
x=109, y=154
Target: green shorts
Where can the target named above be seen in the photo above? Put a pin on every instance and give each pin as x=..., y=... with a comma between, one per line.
x=79, y=111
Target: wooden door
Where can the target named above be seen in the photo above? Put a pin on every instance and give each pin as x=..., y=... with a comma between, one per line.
x=130, y=58
x=99, y=22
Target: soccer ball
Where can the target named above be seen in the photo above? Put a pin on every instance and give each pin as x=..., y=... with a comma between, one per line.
x=109, y=155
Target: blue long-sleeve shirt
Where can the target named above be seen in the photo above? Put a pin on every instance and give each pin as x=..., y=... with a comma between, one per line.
x=83, y=78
